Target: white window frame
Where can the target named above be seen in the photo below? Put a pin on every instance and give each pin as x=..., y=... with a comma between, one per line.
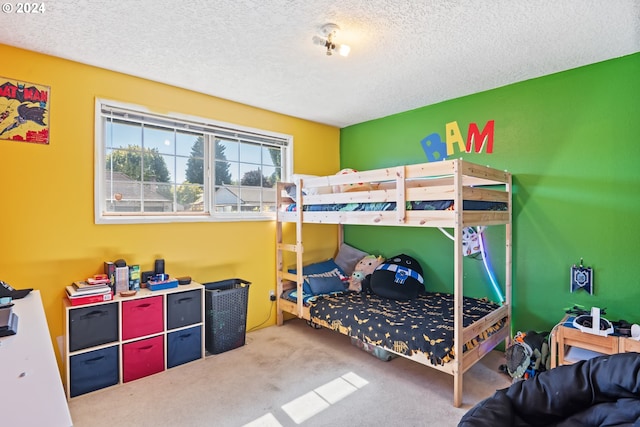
x=213, y=128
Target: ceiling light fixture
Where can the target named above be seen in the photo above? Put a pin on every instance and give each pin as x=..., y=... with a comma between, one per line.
x=330, y=31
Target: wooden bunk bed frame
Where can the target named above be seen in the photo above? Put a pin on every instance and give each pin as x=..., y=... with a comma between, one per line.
x=456, y=180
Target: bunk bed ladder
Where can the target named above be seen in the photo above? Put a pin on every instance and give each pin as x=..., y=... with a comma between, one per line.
x=282, y=247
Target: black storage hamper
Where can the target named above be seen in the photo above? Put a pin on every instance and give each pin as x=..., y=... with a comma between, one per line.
x=225, y=314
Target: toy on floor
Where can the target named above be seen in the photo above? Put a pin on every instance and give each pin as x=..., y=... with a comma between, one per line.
x=363, y=268
x=379, y=352
x=527, y=356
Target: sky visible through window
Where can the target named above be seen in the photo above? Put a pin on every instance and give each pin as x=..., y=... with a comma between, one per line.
x=175, y=148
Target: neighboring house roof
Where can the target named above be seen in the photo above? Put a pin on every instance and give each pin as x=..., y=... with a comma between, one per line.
x=249, y=196
x=224, y=196
x=130, y=189
x=231, y=195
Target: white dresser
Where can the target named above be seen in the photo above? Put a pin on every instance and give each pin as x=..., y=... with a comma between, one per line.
x=32, y=392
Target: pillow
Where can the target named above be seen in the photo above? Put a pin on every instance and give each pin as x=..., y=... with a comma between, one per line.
x=399, y=278
x=325, y=285
x=319, y=269
x=348, y=257
x=291, y=189
x=292, y=295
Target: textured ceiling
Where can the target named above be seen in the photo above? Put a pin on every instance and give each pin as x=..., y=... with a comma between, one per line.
x=404, y=54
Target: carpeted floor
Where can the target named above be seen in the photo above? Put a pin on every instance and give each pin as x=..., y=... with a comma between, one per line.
x=287, y=376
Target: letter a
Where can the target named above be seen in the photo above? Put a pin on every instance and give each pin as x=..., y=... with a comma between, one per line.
x=453, y=136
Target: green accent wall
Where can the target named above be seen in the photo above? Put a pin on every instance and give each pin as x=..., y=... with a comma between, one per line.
x=572, y=142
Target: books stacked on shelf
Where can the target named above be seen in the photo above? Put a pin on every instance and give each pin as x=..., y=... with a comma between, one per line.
x=99, y=279
x=83, y=292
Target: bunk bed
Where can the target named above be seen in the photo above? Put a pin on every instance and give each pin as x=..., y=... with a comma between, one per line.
x=451, y=194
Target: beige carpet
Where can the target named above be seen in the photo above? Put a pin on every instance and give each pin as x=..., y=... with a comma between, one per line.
x=278, y=365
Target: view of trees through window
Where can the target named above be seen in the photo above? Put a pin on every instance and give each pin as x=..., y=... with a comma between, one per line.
x=173, y=169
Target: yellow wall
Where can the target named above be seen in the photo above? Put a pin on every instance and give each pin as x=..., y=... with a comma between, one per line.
x=47, y=233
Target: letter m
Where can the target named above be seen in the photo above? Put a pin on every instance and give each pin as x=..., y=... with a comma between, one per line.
x=478, y=140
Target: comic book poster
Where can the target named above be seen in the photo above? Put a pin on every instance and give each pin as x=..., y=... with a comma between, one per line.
x=24, y=111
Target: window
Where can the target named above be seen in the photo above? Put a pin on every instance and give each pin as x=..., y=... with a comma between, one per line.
x=155, y=168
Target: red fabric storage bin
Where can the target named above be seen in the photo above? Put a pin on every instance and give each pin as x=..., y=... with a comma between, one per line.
x=142, y=317
x=142, y=358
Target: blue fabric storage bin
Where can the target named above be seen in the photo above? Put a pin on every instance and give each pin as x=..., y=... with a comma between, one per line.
x=184, y=346
x=94, y=370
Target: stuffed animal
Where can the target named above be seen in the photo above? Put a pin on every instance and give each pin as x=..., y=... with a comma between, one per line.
x=363, y=268
x=399, y=277
x=359, y=186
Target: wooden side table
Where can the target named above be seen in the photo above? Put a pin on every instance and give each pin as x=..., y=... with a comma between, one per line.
x=567, y=337
x=629, y=345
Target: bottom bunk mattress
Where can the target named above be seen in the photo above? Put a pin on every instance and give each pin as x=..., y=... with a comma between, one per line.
x=424, y=324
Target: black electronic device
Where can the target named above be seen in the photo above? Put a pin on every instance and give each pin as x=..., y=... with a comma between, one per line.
x=8, y=321
x=622, y=328
x=184, y=280
x=7, y=290
x=158, y=266
x=146, y=276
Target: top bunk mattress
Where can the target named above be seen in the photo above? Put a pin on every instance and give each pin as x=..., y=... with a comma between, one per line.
x=436, y=205
x=428, y=194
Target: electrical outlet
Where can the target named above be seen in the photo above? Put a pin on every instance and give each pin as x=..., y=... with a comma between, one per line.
x=272, y=295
